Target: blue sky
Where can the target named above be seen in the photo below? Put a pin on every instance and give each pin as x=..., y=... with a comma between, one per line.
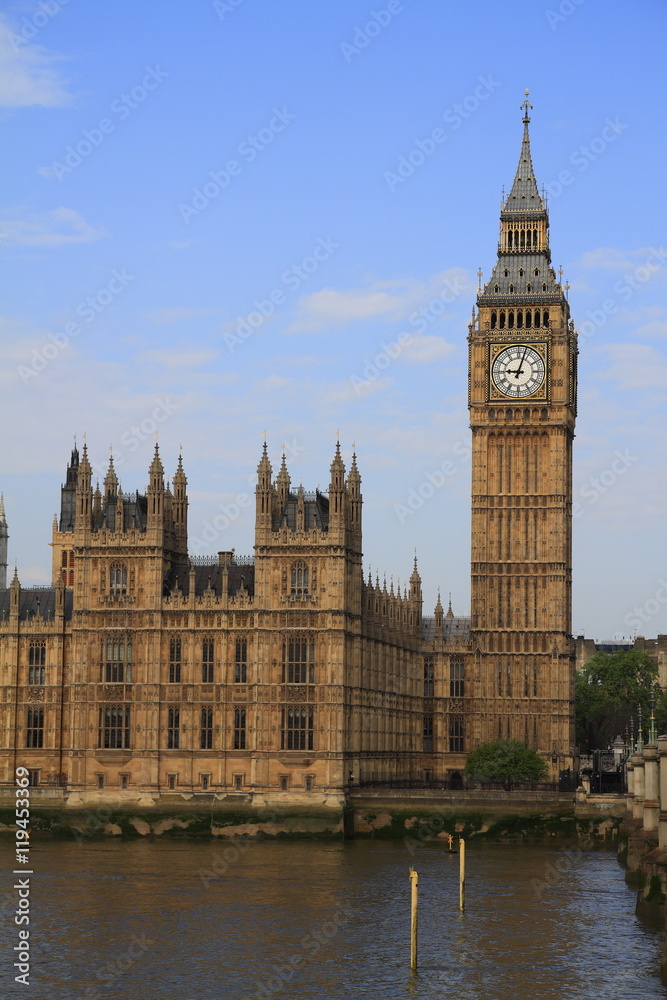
x=220, y=219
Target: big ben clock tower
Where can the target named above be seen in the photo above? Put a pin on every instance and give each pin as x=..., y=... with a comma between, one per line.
x=522, y=401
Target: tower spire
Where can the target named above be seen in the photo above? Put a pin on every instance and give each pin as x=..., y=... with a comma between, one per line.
x=524, y=195
x=523, y=267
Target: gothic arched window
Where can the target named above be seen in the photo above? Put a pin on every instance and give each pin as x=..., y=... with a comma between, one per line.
x=300, y=578
x=118, y=579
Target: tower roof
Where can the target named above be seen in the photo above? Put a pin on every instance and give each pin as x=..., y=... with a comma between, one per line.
x=3, y=519
x=524, y=196
x=523, y=273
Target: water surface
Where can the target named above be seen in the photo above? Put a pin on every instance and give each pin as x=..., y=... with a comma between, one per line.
x=152, y=919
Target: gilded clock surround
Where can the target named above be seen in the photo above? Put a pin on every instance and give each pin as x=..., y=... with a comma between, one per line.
x=540, y=393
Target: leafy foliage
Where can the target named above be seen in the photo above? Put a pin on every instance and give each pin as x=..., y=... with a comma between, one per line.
x=608, y=691
x=507, y=761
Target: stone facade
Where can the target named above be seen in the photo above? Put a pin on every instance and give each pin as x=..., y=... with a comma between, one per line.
x=143, y=669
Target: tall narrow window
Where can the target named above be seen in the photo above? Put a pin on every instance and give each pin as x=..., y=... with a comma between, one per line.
x=36, y=661
x=35, y=728
x=241, y=661
x=299, y=579
x=456, y=734
x=428, y=676
x=508, y=689
x=526, y=685
x=297, y=728
x=206, y=740
x=118, y=579
x=117, y=660
x=535, y=679
x=115, y=727
x=173, y=728
x=175, y=661
x=456, y=677
x=239, y=728
x=299, y=660
x=427, y=740
x=207, y=654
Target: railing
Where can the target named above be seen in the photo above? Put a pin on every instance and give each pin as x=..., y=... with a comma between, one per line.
x=459, y=784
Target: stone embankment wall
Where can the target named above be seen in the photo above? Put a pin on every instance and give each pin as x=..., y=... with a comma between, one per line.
x=643, y=832
x=412, y=816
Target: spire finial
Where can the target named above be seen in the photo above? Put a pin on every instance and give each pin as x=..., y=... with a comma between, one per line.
x=527, y=106
x=479, y=279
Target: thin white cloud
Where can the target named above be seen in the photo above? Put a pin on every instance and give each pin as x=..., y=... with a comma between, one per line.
x=655, y=329
x=421, y=350
x=179, y=358
x=636, y=366
x=613, y=259
x=175, y=315
x=390, y=300
x=56, y=228
x=28, y=75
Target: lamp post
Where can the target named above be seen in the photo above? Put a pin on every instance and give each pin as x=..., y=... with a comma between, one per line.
x=640, y=730
x=652, y=732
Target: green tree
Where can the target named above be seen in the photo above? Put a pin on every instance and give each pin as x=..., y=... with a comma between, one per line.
x=509, y=762
x=608, y=691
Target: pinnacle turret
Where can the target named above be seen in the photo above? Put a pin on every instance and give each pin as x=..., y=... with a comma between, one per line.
x=156, y=468
x=4, y=536
x=283, y=480
x=337, y=470
x=264, y=470
x=111, y=479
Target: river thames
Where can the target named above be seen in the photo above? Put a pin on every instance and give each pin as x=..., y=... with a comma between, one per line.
x=182, y=920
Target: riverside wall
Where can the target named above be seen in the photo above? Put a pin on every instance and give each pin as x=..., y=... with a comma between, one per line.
x=416, y=816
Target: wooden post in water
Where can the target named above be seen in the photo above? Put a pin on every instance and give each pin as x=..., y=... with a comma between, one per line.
x=462, y=874
x=414, y=880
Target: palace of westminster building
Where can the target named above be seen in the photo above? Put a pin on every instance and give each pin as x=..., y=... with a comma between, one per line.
x=142, y=670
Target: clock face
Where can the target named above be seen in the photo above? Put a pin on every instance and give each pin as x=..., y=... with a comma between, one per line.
x=518, y=371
